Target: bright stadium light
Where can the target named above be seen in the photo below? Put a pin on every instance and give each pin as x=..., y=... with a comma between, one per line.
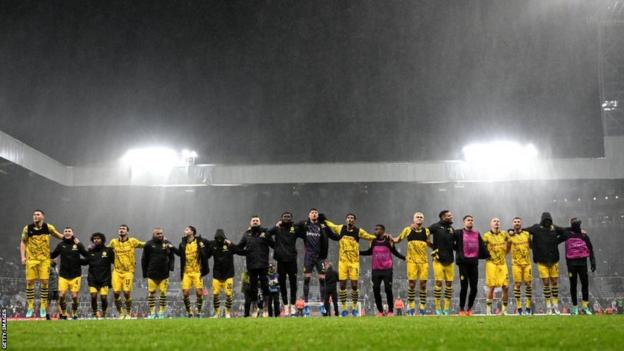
x=499, y=153
x=157, y=160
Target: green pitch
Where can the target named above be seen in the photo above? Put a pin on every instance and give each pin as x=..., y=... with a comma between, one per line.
x=348, y=334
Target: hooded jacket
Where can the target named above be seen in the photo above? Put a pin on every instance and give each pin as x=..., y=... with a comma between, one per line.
x=545, y=239
x=157, y=259
x=223, y=256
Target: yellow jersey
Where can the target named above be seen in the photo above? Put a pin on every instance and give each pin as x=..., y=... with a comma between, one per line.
x=520, y=248
x=192, y=260
x=124, y=253
x=348, y=245
x=497, y=246
x=37, y=241
x=416, y=244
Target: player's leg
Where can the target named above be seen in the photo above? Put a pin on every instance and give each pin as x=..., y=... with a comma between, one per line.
x=544, y=276
x=554, y=286
x=387, y=281
x=473, y=280
x=163, y=287
x=503, y=275
x=229, y=293
x=463, y=287
x=422, y=276
x=198, y=284
x=449, y=276
x=584, y=289
x=94, y=301
x=376, y=277
x=411, y=287
x=127, y=291
x=281, y=279
x=151, y=297
x=263, y=278
x=320, y=269
x=32, y=275
x=573, y=277
x=217, y=285
x=438, y=273
x=490, y=282
x=528, y=288
x=104, y=300
x=354, y=276
x=292, y=279
x=44, y=275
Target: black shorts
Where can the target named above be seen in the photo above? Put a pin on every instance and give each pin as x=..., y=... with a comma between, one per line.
x=53, y=295
x=311, y=263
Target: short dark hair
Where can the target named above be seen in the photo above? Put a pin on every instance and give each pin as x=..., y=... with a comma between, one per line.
x=254, y=216
x=380, y=226
x=193, y=229
x=38, y=210
x=68, y=227
x=287, y=212
x=124, y=225
x=467, y=216
x=98, y=234
x=312, y=209
x=516, y=218
x=351, y=214
x=442, y=213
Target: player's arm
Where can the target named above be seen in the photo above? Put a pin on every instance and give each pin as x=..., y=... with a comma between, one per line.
x=404, y=233
x=145, y=257
x=171, y=255
x=592, y=258
x=333, y=230
x=395, y=251
x=138, y=244
x=367, y=252
x=363, y=234
x=56, y=252
x=55, y=233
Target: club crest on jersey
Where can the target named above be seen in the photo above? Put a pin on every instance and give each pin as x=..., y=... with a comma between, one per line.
x=201, y=244
x=104, y=254
x=225, y=247
x=292, y=230
x=75, y=247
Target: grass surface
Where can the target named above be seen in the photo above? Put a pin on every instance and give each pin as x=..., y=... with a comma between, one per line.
x=367, y=333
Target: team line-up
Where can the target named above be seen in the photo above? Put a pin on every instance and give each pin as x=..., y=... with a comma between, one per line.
x=113, y=264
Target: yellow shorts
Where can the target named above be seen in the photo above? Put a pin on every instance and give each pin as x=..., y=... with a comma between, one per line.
x=348, y=270
x=192, y=280
x=522, y=274
x=496, y=274
x=443, y=271
x=227, y=286
x=417, y=271
x=122, y=281
x=153, y=285
x=37, y=269
x=72, y=285
x=103, y=290
x=548, y=270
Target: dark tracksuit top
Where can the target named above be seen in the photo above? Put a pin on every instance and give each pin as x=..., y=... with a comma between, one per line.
x=158, y=259
x=70, y=253
x=545, y=240
x=443, y=240
x=285, y=237
x=257, y=242
x=100, y=259
x=223, y=258
x=203, y=254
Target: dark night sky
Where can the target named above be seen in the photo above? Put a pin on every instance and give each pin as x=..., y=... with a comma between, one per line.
x=301, y=81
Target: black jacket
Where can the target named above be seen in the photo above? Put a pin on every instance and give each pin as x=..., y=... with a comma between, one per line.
x=545, y=240
x=302, y=229
x=285, y=237
x=459, y=249
x=203, y=254
x=256, y=241
x=100, y=259
x=331, y=279
x=223, y=259
x=157, y=259
x=70, y=253
x=443, y=241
